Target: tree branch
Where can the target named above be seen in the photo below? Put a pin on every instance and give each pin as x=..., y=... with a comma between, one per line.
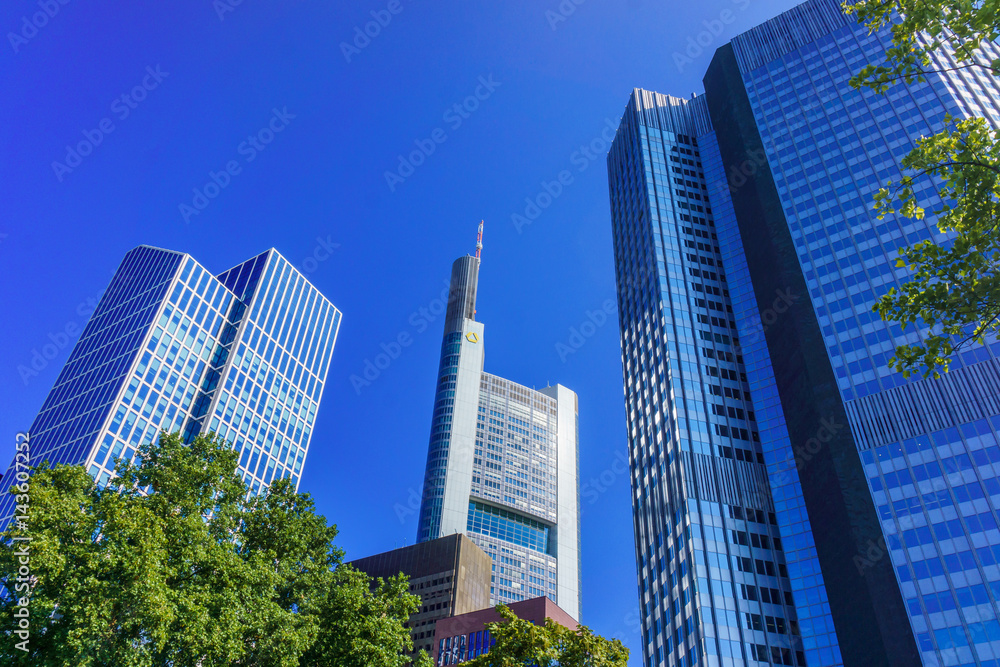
x=961, y=163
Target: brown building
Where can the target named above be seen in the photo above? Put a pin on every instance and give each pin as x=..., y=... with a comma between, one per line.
x=450, y=574
x=464, y=637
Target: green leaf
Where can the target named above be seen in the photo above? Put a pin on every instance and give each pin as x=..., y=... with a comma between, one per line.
x=191, y=574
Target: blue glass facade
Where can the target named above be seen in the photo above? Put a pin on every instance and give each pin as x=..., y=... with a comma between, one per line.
x=819, y=637
x=172, y=347
x=502, y=464
x=509, y=527
x=927, y=446
x=270, y=393
x=714, y=583
x=456, y=650
x=885, y=489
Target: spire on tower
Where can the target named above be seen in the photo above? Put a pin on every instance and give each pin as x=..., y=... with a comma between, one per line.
x=479, y=242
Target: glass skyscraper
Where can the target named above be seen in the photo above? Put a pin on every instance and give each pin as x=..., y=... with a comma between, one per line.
x=172, y=347
x=502, y=464
x=748, y=258
x=714, y=578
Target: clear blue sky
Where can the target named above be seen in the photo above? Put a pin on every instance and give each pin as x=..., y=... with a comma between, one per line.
x=64, y=230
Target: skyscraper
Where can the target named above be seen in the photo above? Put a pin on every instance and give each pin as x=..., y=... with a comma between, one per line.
x=171, y=347
x=714, y=579
x=748, y=258
x=502, y=464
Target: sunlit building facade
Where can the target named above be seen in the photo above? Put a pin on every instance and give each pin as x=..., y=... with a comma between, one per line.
x=743, y=225
x=713, y=576
x=928, y=447
x=502, y=464
x=173, y=347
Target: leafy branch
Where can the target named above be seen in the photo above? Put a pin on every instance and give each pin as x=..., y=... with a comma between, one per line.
x=954, y=289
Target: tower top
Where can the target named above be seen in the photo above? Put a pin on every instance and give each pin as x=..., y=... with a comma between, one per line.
x=479, y=242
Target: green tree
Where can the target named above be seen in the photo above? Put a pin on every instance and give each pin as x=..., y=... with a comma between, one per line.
x=953, y=294
x=363, y=623
x=520, y=642
x=954, y=288
x=927, y=36
x=170, y=564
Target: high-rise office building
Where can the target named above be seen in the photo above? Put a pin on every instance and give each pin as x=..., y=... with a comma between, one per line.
x=714, y=579
x=748, y=259
x=502, y=464
x=451, y=575
x=172, y=347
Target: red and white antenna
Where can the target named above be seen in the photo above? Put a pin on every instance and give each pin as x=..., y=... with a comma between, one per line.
x=479, y=242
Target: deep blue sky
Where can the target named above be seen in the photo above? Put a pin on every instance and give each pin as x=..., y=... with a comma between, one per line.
x=323, y=177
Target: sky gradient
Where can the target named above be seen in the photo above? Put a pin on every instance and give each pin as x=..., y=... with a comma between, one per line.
x=368, y=162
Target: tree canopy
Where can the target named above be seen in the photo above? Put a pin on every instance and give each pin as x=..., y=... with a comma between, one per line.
x=520, y=642
x=953, y=293
x=928, y=36
x=172, y=564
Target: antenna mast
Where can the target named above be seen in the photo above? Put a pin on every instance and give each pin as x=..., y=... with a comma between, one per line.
x=479, y=254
